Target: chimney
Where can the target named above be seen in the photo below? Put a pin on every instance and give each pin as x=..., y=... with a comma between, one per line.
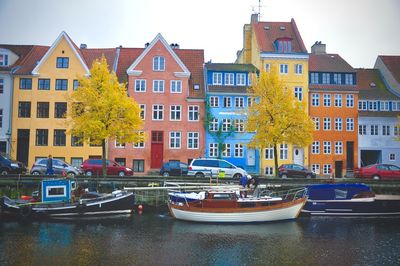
x=254, y=18
x=83, y=46
x=318, y=48
x=146, y=44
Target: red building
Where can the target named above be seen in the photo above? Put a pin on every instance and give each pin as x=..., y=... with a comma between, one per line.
x=168, y=84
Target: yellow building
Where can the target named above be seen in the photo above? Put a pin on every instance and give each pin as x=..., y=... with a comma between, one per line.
x=42, y=84
x=279, y=45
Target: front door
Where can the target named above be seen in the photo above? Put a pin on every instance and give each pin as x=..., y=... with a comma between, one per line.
x=251, y=157
x=338, y=169
x=298, y=156
x=23, y=145
x=350, y=155
x=157, y=148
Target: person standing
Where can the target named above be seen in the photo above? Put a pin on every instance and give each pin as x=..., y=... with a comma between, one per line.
x=49, y=170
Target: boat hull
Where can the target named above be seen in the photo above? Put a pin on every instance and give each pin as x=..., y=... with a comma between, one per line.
x=282, y=211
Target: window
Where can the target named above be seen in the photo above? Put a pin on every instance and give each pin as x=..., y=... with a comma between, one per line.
x=1, y=118
x=283, y=68
x=44, y=84
x=226, y=150
x=392, y=157
x=24, y=109
x=239, y=102
x=373, y=105
x=158, y=86
x=76, y=161
x=193, y=140
x=3, y=59
x=238, y=150
x=362, y=105
x=227, y=102
x=120, y=161
x=229, y=79
x=384, y=106
x=214, y=101
x=62, y=62
x=267, y=67
x=362, y=130
x=327, y=100
x=213, y=149
x=337, y=78
x=298, y=93
x=315, y=147
x=284, y=46
x=348, y=79
x=60, y=110
x=250, y=101
x=326, y=78
x=138, y=166
x=250, y=78
x=338, y=147
x=142, y=111
x=316, y=122
x=239, y=125
x=338, y=100
x=338, y=124
x=396, y=106
x=269, y=171
x=298, y=69
x=374, y=130
x=349, y=124
x=175, y=140
x=315, y=99
x=42, y=136
x=1, y=86
x=77, y=141
x=214, y=124
x=283, y=152
x=59, y=137
x=158, y=112
x=226, y=125
x=193, y=113
x=140, y=143
x=25, y=84
x=61, y=84
x=314, y=78
x=158, y=63
x=396, y=131
x=350, y=100
x=175, y=113
x=75, y=84
x=140, y=85
x=327, y=123
x=269, y=153
x=217, y=78
x=241, y=79
x=119, y=144
x=386, y=130
x=315, y=168
x=327, y=168
x=42, y=110
x=327, y=147
x=176, y=86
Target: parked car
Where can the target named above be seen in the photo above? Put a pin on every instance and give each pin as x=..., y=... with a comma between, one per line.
x=174, y=168
x=378, y=171
x=295, y=170
x=10, y=166
x=205, y=166
x=59, y=167
x=94, y=167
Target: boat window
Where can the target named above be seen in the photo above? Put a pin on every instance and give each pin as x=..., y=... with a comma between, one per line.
x=340, y=194
x=55, y=191
x=222, y=196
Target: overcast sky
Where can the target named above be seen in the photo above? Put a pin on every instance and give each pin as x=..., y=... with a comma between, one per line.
x=358, y=30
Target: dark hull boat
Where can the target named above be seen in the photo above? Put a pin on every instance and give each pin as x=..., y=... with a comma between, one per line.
x=349, y=200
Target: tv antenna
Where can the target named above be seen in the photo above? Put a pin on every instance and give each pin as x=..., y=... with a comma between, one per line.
x=258, y=12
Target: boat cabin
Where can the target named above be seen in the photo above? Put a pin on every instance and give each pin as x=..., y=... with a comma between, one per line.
x=338, y=191
x=57, y=190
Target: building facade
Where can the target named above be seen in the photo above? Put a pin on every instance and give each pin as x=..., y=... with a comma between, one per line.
x=333, y=107
x=227, y=100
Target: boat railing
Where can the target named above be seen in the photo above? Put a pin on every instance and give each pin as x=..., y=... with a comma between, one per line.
x=291, y=194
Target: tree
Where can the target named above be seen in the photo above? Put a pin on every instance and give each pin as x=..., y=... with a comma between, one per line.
x=102, y=110
x=277, y=116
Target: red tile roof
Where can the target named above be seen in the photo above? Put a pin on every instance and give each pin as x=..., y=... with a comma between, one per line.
x=393, y=65
x=90, y=55
x=126, y=58
x=29, y=62
x=20, y=50
x=328, y=63
x=268, y=32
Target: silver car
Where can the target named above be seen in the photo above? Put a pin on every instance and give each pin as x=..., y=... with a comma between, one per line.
x=59, y=167
x=206, y=167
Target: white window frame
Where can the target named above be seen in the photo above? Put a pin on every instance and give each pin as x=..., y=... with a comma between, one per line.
x=229, y=79
x=338, y=100
x=327, y=100
x=362, y=105
x=158, y=86
x=239, y=102
x=314, y=78
x=226, y=124
x=217, y=78
x=396, y=106
x=4, y=62
x=298, y=69
x=269, y=153
x=176, y=86
x=226, y=150
x=316, y=123
x=175, y=138
x=214, y=101
x=338, y=147
x=140, y=85
x=175, y=112
x=239, y=125
x=158, y=63
x=193, y=140
x=284, y=69
x=348, y=79
x=326, y=78
x=327, y=167
x=239, y=150
x=139, y=145
x=349, y=124
x=338, y=124
x=159, y=108
x=283, y=151
x=227, y=102
x=269, y=171
x=327, y=147
x=240, y=79
x=327, y=123
x=384, y=106
x=316, y=169
x=392, y=157
x=349, y=100
x=362, y=130
x=1, y=85
x=315, y=147
x=214, y=125
x=213, y=150
x=374, y=130
x=298, y=93
x=337, y=78
x=142, y=111
x=193, y=111
x=385, y=130
x=314, y=99
x=119, y=145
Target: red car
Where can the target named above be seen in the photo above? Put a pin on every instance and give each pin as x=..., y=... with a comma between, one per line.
x=378, y=171
x=94, y=167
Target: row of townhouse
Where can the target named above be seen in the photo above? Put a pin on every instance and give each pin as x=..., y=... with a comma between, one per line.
x=191, y=109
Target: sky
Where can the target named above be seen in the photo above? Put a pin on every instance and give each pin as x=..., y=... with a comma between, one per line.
x=358, y=30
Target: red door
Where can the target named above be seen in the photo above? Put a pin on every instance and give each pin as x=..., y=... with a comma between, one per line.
x=156, y=149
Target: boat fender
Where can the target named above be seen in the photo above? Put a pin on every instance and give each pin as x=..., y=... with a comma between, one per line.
x=81, y=208
x=26, y=211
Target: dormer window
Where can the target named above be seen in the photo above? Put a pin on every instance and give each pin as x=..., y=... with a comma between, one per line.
x=158, y=63
x=283, y=45
x=3, y=59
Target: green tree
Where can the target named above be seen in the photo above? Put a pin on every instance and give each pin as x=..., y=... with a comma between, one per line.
x=277, y=116
x=103, y=111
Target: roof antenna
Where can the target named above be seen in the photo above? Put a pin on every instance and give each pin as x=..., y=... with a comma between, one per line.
x=259, y=10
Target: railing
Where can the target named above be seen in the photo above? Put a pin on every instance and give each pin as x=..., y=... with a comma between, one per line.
x=291, y=194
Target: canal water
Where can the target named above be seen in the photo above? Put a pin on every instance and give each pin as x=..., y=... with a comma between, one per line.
x=157, y=239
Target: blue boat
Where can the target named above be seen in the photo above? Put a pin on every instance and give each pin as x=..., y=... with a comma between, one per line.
x=349, y=200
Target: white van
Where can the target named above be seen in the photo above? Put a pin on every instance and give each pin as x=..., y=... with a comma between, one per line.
x=205, y=167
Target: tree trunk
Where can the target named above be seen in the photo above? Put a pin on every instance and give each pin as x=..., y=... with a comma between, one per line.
x=103, y=150
x=276, y=160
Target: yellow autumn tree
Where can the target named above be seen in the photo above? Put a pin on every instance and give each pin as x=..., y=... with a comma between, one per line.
x=102, y=110
x=277, y=116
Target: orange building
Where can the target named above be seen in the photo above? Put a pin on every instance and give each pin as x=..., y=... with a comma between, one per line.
x=333, y=101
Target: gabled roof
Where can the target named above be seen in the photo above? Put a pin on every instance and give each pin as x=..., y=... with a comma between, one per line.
x=268, y=32
x=20, y=50
x=371, y=86
x=231, y=67
x=30, y=61
x=393, y=65
x=74, y=48
x=131, y=70
x=329, y=63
